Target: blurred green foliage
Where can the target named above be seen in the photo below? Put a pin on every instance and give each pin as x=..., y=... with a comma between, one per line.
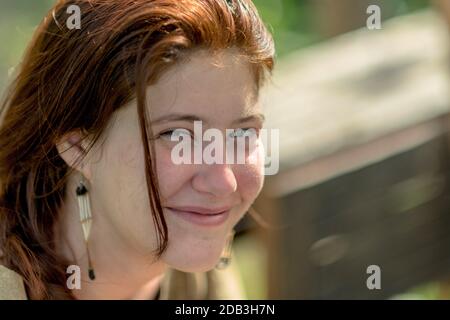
x=292, y=21
x=18, y=19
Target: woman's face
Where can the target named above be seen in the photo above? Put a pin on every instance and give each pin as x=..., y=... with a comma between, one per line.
x=217, y=90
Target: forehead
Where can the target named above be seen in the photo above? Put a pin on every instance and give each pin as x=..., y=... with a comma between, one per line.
x=217, y=87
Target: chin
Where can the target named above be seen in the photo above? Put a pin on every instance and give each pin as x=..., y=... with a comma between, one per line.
x=196, y=268
x=200, y=263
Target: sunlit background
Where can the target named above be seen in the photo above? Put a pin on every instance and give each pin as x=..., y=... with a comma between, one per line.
x=364, y=150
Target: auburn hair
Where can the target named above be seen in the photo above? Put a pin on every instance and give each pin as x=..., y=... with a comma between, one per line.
x=74, y=79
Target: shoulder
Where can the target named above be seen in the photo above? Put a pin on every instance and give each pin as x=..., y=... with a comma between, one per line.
x=11, y=285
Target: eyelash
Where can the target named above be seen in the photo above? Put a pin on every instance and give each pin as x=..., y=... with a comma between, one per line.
x=247, y=129
x=168, y=133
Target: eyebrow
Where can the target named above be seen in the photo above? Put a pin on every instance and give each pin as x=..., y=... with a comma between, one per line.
x=191, y=118
x=257, y=116
x=176, y=117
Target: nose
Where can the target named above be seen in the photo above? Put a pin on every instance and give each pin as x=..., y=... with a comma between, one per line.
x=216, y=179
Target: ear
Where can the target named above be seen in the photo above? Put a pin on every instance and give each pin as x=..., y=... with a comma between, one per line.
x=72, y=149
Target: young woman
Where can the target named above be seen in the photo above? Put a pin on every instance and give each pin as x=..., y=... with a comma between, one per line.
x=88, y=185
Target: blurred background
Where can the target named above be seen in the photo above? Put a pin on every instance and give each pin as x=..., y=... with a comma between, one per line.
x=364, y=149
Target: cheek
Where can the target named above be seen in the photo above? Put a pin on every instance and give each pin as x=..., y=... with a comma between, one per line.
x=121, y=193
x=171, y=177
x=250, y=180
x=250, y=176
x=130, y=173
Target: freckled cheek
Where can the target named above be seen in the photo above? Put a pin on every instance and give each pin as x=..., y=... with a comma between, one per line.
x=171, y=177
x=250, y=180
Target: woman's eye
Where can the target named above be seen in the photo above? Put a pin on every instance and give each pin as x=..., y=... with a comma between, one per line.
x=175, y=134
x=244, y=132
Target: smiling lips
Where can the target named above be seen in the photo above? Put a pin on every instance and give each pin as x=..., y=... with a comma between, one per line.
x=202, y=216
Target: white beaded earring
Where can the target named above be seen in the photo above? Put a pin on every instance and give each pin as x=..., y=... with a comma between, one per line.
x=84, y=206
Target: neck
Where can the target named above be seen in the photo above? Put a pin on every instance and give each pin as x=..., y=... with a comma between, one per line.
x=120, y=271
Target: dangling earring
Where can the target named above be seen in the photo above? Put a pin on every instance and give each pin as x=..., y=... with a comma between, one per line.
x=225, y=258
x=85, y=219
